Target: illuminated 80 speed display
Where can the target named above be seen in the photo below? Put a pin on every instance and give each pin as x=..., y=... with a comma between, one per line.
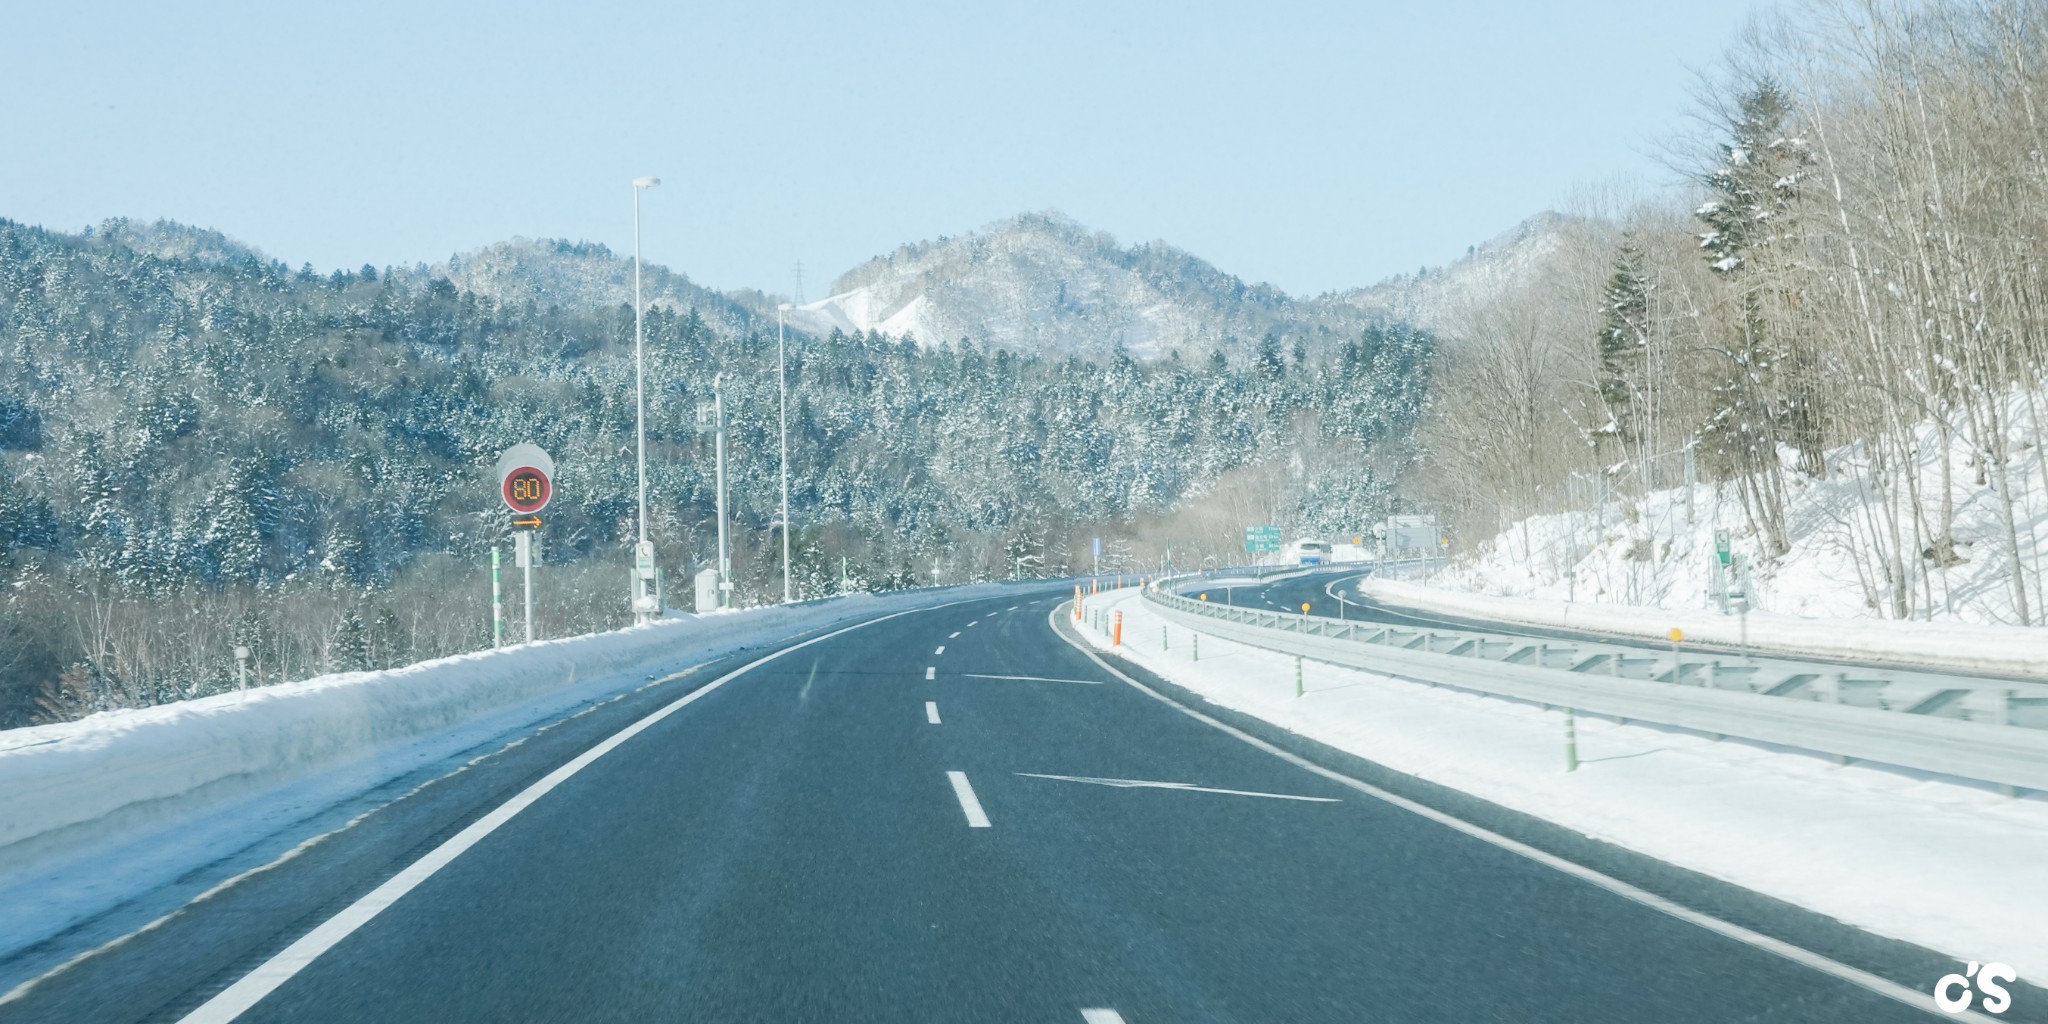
x=527, y=490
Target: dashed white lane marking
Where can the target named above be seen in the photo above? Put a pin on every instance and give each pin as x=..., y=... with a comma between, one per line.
x=931, y=711
x=953, y=635
x=1101, y=1016
x=237, y=998
x=941, y=650
x=1011, y=608
x=1184, y=786
x=1033, y=679
x=931, y=672
x=1805, y=957
x=969, y=804
x=973, y=624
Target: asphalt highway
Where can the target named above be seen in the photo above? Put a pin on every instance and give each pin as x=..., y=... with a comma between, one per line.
x=945, y=815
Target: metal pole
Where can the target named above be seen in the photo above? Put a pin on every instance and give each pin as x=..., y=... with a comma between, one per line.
x=640, y=583
x=497, y=603
x=724, y=561
x=782, y=386
x=529, y=590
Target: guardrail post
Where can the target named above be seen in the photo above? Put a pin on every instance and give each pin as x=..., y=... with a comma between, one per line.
x=1571, y=742
x=1297, y=675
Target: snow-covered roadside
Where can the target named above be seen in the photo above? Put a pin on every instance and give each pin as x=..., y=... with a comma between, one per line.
x=1658, y=549
x=1945, y=865
x=2007, y=651
x=97, y=811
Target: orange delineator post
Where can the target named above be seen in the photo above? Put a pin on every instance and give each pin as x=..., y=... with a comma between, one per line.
x=1077, y=602
x=1116, y=636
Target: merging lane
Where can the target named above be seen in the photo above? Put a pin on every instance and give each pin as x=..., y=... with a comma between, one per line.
x=953, y=814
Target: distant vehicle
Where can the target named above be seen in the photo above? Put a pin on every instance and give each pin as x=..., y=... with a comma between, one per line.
x=1308, y=552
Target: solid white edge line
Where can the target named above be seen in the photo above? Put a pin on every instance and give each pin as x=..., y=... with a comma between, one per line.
x=1102, y=1015
x=1799, y=955
x=237, y=998
x=969, y=804
x=931, y=711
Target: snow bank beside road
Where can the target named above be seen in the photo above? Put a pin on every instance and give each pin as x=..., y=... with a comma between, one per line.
x=2007, y=651
x=77, y=777
x=1944, y=865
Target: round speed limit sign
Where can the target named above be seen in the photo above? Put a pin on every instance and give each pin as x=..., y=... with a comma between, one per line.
x=525, y=478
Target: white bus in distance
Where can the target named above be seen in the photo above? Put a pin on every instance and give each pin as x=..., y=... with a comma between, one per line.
x=1306, y=552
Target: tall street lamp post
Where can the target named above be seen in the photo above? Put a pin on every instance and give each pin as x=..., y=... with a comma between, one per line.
x=782, y=387
x=643, y=596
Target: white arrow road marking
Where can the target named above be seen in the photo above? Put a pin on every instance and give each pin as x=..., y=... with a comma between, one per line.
x=1185, y=786
x=1101, y=1016
x=1035, y=679
x=931, y=711
x=976, y=818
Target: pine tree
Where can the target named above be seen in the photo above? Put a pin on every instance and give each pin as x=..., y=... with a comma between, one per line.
x=348, y=650
x=1624, y=342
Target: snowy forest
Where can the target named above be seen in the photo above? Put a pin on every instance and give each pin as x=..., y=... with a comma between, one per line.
x=201, y=448
x=1858, y=267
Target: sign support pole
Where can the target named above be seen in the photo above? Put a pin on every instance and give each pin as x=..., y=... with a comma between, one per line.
x=526, y=567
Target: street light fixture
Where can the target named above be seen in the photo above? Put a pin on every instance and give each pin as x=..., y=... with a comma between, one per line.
x=782, y=388
x=644, y=599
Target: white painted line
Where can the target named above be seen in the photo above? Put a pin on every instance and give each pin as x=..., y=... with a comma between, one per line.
x=931, y=672
x=973, y=624
x=1184, y=786
x=1804, y=957
x=1033, y=679
x=1101, y=1016
x=237, y=998
x=941, y=650
x=931, y=711
x=953, y=635
x=1013, y=608
x=968, y=803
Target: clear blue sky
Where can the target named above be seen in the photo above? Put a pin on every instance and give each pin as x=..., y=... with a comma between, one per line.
x=1313, y=145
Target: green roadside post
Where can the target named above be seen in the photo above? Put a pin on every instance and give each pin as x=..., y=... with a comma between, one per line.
x=1196, y=639
x=1571, y=742
x=497, y=603
x=1163, y=645
x=1297, y=675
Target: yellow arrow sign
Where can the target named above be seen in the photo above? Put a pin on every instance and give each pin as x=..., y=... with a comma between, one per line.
x=530, y=522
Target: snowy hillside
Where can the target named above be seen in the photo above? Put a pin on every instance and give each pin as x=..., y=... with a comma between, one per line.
x=580, y=275
x=1507, y=261
x=1649, y=552
x=1045, y=284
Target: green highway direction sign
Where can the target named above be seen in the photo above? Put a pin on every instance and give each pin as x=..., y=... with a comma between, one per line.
x=1261, y=538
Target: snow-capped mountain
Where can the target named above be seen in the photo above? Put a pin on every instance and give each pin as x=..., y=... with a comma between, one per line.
x=1044, y=284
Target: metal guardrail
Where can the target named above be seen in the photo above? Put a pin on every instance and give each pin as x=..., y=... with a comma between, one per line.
x=1699, y=694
